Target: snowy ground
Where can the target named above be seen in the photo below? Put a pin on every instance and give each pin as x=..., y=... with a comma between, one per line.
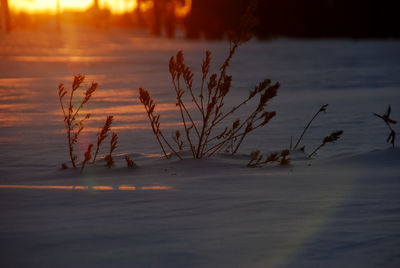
x=341, y=209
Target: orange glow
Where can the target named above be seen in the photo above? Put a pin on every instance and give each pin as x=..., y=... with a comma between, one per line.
x=50, y=6
x=127, y=187
x=146, y=5
x=103, y=188
x=182, y=11
x=77, y=59
x=115, y=6
x=78, y=187
x=81, y=187
x=118, y=6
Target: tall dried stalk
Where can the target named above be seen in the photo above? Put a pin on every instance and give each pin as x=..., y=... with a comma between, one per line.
x=149, y=106
x=88, y=156
x=201, y=136
x=72, y=121
x=322, y=109
x=113, y=144
x=103, y=134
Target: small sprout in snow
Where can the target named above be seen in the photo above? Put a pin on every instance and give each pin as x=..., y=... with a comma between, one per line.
x=64, y=166
x=284, y=160
x=129, y=162
x=177, y=140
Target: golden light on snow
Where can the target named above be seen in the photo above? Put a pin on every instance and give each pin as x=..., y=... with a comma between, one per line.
x=36, y=187
x=155, y=188
x=103, y=188
x=79, y=187
x=127, y=187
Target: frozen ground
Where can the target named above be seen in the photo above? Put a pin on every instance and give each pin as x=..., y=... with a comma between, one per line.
x=341, y=209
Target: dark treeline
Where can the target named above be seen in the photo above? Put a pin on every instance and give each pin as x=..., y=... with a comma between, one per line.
x=4, y=16
x=212, y=19
x=299, y=18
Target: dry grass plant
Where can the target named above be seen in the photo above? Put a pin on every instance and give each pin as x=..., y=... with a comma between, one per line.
x=258, y=160
x=75, y=123
x=205, y=137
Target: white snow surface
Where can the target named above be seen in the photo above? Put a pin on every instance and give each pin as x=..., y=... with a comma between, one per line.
x=339, y=209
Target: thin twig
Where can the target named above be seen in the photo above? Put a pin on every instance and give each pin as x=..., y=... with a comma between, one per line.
x=322, y=109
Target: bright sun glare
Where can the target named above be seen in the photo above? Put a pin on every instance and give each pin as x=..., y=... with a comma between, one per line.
x=50, y=6
x=115, y=6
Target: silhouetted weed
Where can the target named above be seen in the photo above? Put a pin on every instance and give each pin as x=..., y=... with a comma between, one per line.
x=129, y=163
x=103, y=134
x=388, y=121
x=331, y=138
x=74, y=124
x=322, y=109
x=149, y=105
x=88, y=156
x=258, y=160
x=113, y=144
x=177, y=140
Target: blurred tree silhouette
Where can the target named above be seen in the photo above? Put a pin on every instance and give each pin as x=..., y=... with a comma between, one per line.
x=5, y=16
x=164, y=17
x=299, y=18
x=213, y=19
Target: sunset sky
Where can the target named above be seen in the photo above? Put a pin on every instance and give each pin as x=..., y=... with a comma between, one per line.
x=115, y=6
x=33, y=6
